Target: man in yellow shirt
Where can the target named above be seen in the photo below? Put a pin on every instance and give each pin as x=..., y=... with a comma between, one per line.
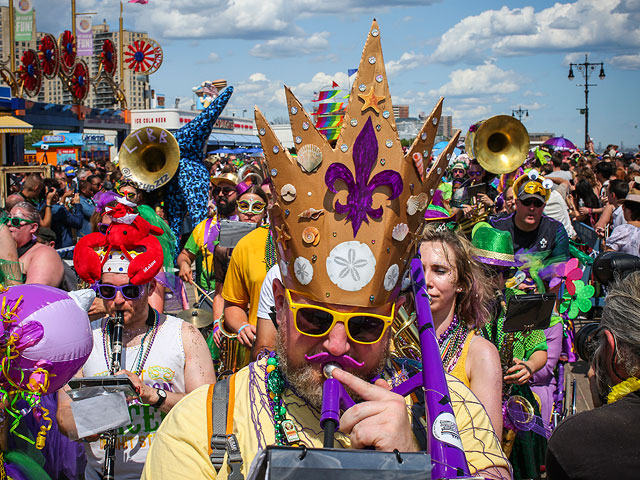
x=203, y=238
x=342, y=238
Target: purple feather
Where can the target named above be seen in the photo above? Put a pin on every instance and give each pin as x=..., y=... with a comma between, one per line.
x=359, y=206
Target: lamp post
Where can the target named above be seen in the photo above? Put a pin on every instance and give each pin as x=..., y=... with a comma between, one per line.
x=520, y=112
x=586, y=68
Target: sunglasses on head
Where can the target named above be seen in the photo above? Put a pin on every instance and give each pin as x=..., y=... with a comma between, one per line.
x=108, y=291
x=255, y=207
x=317, y=321
x=226, y=191
x=16, y=222
x=532, y=201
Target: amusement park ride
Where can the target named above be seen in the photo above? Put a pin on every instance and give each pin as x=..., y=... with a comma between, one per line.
x=59, y=58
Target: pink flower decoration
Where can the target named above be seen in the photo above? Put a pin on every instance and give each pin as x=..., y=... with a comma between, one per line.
x=568, y=272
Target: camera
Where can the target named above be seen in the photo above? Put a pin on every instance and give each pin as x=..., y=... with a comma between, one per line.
x=586, y=341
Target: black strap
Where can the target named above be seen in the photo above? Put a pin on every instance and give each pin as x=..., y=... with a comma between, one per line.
x=222, y=443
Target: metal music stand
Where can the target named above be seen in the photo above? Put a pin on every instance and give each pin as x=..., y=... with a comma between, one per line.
x=286, y=463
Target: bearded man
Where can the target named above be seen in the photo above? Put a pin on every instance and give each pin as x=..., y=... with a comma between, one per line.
x=341, y=241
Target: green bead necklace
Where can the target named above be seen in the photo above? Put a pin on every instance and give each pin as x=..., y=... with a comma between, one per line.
x=275, y=384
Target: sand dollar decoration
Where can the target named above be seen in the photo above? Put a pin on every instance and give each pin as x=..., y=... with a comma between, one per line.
x=309, y=157
x=351, y=265
x=391, y=277
x=303, y=270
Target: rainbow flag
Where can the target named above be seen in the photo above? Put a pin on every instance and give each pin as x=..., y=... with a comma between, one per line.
x=330, y=133
x=329, y=121
x=327, y=108
x=326, y=95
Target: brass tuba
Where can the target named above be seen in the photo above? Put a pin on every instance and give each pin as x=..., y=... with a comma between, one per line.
x=149, y=156
x=500, y=143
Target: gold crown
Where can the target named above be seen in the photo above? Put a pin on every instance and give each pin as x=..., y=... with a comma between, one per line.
x=347, y=217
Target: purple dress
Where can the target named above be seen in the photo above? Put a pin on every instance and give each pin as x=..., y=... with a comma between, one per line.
x=543, y=382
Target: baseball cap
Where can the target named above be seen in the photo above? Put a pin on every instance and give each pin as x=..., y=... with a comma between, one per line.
x=229, y=177
x=69, y=171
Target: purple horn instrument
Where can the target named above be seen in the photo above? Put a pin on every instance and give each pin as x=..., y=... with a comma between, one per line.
x=444, y=445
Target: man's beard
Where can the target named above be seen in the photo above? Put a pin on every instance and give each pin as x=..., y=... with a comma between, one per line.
x=226, y=208
x=307, y=381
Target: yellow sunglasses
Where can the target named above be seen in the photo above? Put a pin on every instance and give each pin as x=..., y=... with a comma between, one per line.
x=316, y=321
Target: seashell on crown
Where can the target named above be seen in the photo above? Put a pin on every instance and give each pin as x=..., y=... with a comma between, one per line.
x=347, y=218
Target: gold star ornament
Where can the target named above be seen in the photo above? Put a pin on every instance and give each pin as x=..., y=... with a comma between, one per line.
x=371, y=100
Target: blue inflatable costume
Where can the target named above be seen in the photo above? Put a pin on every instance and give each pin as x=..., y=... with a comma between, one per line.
x=187, y=192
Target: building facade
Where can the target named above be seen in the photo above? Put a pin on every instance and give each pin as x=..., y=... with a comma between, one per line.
x=136, y=87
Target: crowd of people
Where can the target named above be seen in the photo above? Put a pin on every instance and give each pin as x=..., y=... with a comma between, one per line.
x=293, y=273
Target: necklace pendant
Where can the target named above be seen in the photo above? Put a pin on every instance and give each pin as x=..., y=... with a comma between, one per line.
x=289, y=431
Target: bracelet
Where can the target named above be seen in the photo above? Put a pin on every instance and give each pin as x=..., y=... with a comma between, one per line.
x=216, y=322
x=49, y=206
x=243, y=327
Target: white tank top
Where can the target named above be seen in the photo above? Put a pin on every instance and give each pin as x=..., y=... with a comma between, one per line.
x=164, y=368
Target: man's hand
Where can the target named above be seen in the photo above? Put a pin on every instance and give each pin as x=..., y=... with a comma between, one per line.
x=467, y=210
x=147, y=394
x=185, y=273
x=520, y=373
x=51, y=197
x=76, y=198
x=247, y=335
x=485, y=200
x=381, y=421
x=217, y=336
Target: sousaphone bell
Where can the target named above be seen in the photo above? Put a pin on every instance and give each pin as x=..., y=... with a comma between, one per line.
x=500, y=143
x=149, y=156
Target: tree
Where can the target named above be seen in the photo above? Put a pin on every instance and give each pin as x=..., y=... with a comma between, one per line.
x=34, y=137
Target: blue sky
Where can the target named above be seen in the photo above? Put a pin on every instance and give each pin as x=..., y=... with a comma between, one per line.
x=485, y=57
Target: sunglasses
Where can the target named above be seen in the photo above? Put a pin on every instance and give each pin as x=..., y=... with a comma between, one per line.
x=256, y=207
x=532, y=201
x=475, y=174
x=108, y=291
x=226, y=191
x=103, y=227
x=316, y=321
x=495, y=270
x=16, y=222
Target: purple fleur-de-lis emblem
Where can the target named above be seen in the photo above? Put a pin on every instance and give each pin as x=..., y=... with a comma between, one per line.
x=359, y=206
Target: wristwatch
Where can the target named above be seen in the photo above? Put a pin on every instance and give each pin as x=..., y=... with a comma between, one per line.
x=162, y=396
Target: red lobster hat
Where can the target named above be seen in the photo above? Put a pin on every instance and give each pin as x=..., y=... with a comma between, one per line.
x=129, y=246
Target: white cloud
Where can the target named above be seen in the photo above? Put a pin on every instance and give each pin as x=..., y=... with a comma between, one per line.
x=626, y=62
x=487, y=79
x=213, y=57
x=407, y=61
x=245, y=19
x=292, y=46
x=606, y=25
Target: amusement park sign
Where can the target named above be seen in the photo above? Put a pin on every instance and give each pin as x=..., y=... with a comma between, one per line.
x=24, y=20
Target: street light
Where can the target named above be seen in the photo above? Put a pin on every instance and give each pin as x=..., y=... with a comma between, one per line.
x=586, y=68
x=520, y=112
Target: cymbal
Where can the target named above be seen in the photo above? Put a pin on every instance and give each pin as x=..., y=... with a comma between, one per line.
x=197, y=317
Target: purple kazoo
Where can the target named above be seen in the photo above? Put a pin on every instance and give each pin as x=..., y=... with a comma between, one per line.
x=334, y=399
